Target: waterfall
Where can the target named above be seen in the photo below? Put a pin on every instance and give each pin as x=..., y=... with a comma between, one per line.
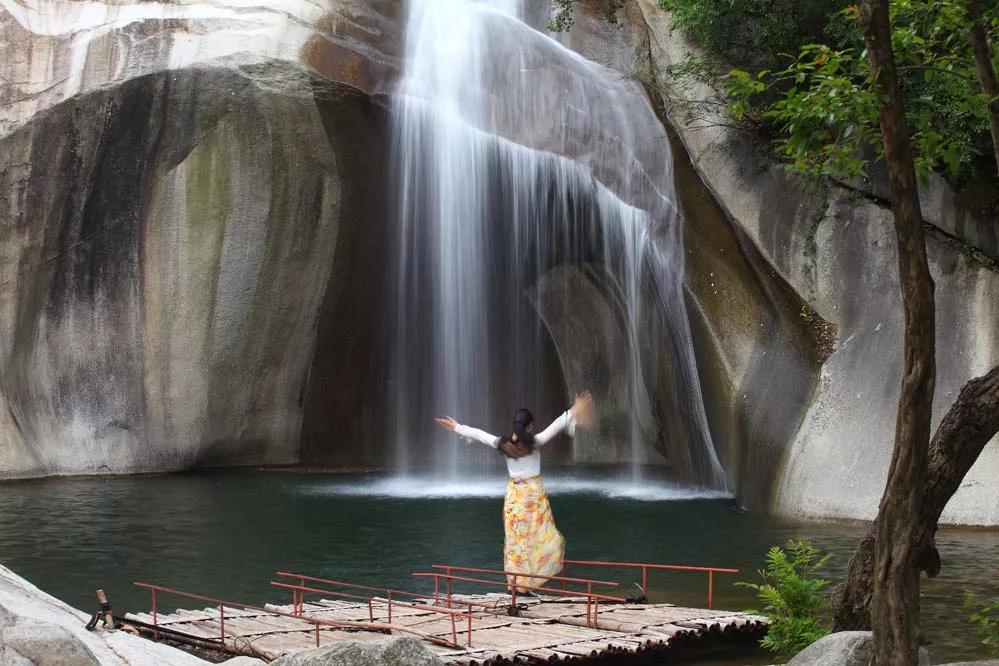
x=515, y=156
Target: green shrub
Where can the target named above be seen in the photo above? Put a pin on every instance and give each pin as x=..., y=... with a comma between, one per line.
x=792, y=597
x=986, y=619
x=753, y=34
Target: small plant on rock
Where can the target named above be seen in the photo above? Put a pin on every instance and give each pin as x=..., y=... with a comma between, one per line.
x=792, y=597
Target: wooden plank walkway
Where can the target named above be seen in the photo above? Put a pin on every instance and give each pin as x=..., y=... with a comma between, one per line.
x=540, y=630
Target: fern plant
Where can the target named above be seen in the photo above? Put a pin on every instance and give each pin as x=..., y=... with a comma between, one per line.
x=792, y=597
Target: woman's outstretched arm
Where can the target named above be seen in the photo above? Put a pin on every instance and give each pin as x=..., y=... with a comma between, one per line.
x=580, y=410
x=468, y=433
x=563, y=422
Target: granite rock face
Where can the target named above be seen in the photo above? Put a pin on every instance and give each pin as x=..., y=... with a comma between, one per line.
x=180, y=185
x=836, y=252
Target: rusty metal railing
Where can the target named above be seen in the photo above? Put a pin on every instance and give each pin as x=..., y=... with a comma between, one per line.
x=645, y=567
x=299, y=591
x=592, y=598
x=316, y=622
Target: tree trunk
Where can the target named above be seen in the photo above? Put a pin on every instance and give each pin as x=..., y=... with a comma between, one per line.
x=986, y=72
x=895, y=609
x=970, y=423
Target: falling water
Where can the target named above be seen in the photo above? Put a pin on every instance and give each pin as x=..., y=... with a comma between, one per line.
x=516, y=156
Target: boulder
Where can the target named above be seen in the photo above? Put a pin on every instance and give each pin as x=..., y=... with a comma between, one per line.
x=46, y=643
x=244, y=661
x=38, y=629
x=845, y=648
x=401, y=651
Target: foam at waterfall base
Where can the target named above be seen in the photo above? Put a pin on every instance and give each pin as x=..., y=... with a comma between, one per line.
x=429, y=487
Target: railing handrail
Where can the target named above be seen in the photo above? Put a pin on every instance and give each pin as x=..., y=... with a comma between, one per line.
x=592, y=599
x=639, y=565
x=566, y=593
x=645, y=566
x=317, y=622
x=334, y=593
x=435, y=609
x=369, y=588
x=498, y=572
x=341, y=583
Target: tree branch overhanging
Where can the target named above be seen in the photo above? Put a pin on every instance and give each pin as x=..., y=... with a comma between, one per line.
x=970, y=423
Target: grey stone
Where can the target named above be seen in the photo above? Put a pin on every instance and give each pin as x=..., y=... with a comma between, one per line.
x=47, y=644
x=11, y=657
x=244, y=661
x=985, y=662
x=44, y=631
x=845, y=648
x=6, y=617
x=400, y=651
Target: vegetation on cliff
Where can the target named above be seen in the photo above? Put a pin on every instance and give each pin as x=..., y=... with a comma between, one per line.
x=796, y=74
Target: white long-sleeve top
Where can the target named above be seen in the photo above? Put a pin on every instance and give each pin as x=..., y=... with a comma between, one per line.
x=529, y=465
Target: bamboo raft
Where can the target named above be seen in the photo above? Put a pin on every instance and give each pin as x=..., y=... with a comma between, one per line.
x=491, y=632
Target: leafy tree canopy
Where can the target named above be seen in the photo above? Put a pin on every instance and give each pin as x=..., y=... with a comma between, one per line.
x=798, y=73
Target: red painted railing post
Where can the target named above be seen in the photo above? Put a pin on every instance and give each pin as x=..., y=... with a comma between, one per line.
x=390, y=607
x=645, y=582
x=449, y=587
x=469, y=642
x=156, y=634
x=711, y=587
x=222, y=625
x=589, y=598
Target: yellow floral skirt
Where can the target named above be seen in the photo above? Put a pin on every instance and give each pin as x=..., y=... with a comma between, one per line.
x=533, y=545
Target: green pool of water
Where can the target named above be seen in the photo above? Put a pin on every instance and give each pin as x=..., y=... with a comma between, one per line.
x=225, y=534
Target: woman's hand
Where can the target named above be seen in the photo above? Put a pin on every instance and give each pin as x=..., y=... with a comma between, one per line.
x=584, y=410
x=447, y=422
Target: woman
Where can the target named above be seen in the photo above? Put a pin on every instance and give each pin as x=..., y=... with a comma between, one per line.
x=532, y=543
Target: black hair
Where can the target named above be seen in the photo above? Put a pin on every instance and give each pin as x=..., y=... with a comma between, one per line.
x=509, y=448
x=521, y=420
x=520, y=439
